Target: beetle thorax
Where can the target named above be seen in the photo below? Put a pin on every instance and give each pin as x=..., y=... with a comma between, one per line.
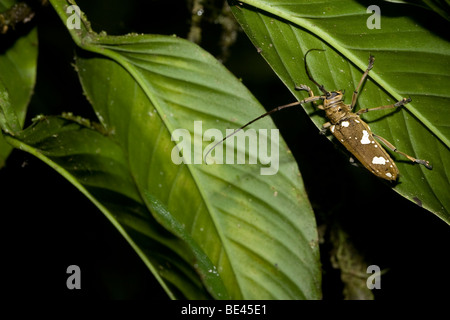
x=337, y=111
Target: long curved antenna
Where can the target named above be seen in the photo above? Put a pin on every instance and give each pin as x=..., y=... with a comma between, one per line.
x=249, y=123
x=321, y=87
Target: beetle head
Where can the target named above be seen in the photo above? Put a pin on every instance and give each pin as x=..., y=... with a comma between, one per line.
x=332, y=97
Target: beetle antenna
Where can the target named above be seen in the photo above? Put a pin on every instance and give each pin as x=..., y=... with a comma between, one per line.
x=249, y=123
x=321, y=87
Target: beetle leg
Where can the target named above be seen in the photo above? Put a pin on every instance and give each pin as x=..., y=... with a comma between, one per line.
x=325, y=127
x=306, y=88
x=356, y=92
x=393, y=148
x=395, y=105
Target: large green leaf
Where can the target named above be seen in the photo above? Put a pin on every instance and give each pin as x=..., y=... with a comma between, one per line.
x=97, y=166
x=412, y=59
x=231, y=211
x=256, y=232
x=18, y=61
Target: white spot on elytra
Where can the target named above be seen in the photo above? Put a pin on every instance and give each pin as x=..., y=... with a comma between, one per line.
x=332, y=128
x=389, y=175
x=356, y=121
x=378, y=160
x=345, y=124
x=365, y=137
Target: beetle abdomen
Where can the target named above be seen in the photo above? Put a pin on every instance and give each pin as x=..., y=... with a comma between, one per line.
x=357, y=138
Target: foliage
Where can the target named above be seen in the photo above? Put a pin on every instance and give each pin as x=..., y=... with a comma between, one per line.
x=227, y=231
x=246, y=235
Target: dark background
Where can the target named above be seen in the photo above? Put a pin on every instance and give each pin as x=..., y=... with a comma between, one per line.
x=48, y=224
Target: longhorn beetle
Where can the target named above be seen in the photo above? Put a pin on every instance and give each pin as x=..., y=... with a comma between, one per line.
x=348, y=127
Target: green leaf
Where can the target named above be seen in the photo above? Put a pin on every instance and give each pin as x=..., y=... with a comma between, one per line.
x=96, y=165
x=440, y=7
x=258, y=231
x=231, y=211
x=203, y=265
x=18, y=62
x=411, y=60
x=6, y=4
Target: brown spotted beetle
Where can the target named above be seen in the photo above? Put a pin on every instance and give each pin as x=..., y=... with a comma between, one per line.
x=349, y=128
